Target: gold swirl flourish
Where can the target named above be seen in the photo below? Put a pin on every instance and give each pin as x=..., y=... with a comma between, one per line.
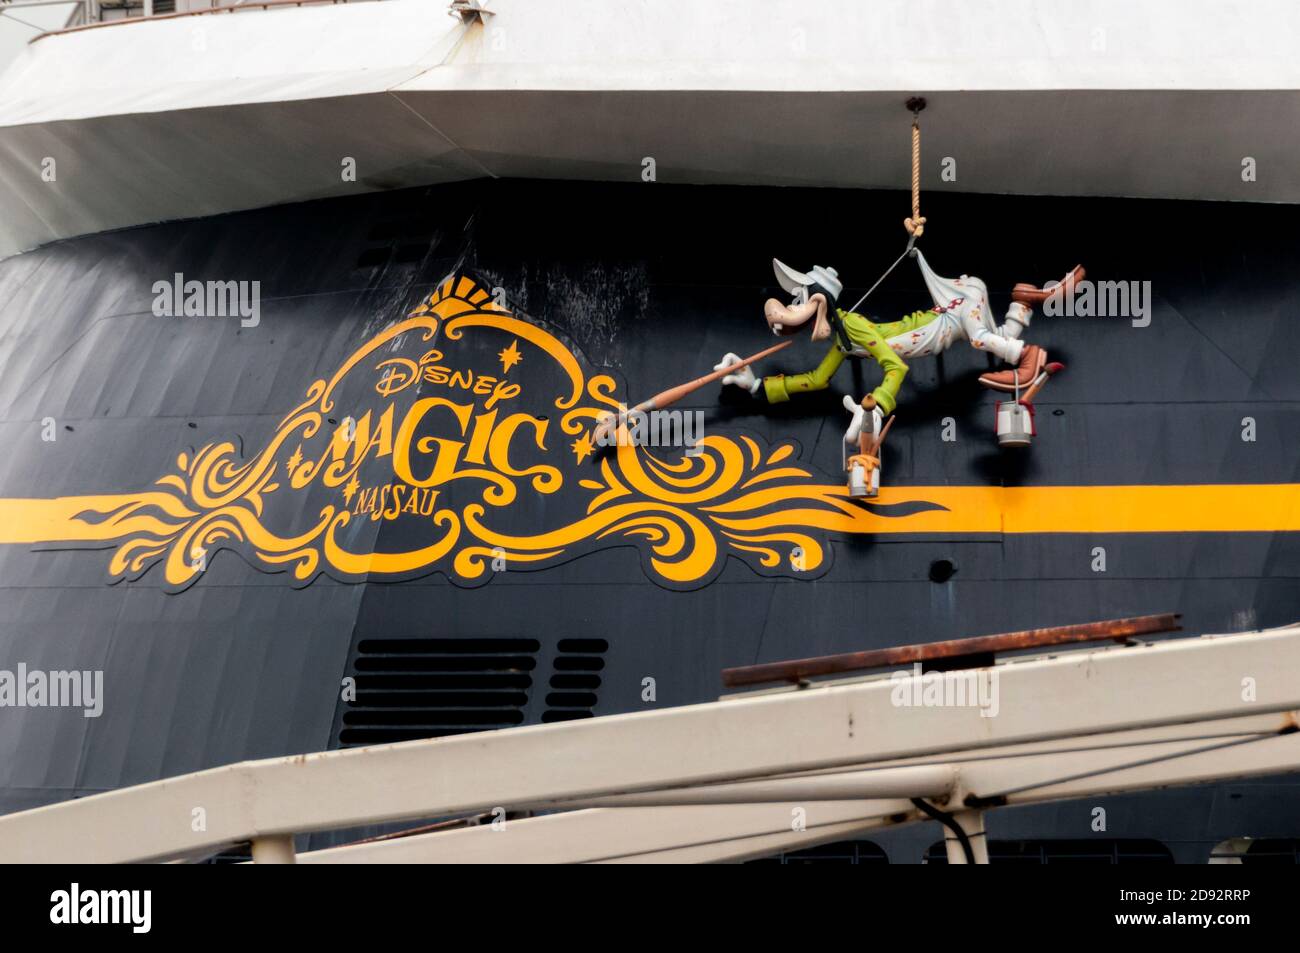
x=686, y=513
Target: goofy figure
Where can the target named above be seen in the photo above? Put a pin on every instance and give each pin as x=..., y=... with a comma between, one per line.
x=961, y=310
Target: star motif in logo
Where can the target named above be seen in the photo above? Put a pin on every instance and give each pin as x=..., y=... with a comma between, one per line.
x=582, y=447
x=294, y=460
x=350, y=490
x=510, y=356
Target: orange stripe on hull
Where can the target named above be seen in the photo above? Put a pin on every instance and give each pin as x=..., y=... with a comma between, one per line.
x=1203, y=508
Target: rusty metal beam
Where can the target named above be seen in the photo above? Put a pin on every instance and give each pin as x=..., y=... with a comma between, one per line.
x=951, y=654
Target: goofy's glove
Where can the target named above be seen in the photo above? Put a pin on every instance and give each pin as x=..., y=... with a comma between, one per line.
x=744, y=377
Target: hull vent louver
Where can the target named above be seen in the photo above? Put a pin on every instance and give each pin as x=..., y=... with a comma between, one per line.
x=1066, y=852
x=573, y=694
x=407, y=689
x=840, y=852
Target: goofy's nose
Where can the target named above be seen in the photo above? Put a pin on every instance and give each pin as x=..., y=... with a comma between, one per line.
x=783, y=319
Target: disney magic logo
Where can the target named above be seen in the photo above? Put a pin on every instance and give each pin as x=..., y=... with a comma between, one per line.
x=463, y=439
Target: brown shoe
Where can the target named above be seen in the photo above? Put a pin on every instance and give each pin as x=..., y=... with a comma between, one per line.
x=1032, y=361
x=1030, y=295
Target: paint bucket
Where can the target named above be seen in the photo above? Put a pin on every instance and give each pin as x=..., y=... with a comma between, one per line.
x=858, y=485
x=1015, y=423
x=863, y=478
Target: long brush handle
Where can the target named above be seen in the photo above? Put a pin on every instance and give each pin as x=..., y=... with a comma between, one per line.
x=673, y=394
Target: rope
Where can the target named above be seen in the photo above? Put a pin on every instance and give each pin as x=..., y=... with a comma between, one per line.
x=916, y=224
x=916, y=168
x=906, y=251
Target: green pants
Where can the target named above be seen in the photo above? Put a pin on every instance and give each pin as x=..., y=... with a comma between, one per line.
x=868, y=335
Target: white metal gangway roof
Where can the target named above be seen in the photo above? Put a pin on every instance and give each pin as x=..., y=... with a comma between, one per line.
x=725, y=780
x=195, y=115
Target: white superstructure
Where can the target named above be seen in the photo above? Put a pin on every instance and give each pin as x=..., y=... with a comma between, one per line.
x=193, y=115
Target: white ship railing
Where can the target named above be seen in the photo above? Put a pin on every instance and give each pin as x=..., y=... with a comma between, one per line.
x=89, y=14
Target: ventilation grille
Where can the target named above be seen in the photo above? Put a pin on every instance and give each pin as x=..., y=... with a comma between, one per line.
x=578, y=664
x=841, y=852
x=408, y=689
x=238, y=854
x=1066, y=852
x=1272, y=852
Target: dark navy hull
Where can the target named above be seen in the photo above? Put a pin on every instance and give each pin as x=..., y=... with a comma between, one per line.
x=655, y=282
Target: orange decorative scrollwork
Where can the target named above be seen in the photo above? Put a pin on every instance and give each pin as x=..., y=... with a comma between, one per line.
x=432, y=448
x=492, y=439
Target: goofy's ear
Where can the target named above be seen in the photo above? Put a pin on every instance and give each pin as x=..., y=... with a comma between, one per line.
x=822, y=326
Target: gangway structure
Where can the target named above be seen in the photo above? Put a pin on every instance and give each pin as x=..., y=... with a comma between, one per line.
x=747, y=776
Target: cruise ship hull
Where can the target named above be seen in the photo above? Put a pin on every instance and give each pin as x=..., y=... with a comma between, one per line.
x=230, y=617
